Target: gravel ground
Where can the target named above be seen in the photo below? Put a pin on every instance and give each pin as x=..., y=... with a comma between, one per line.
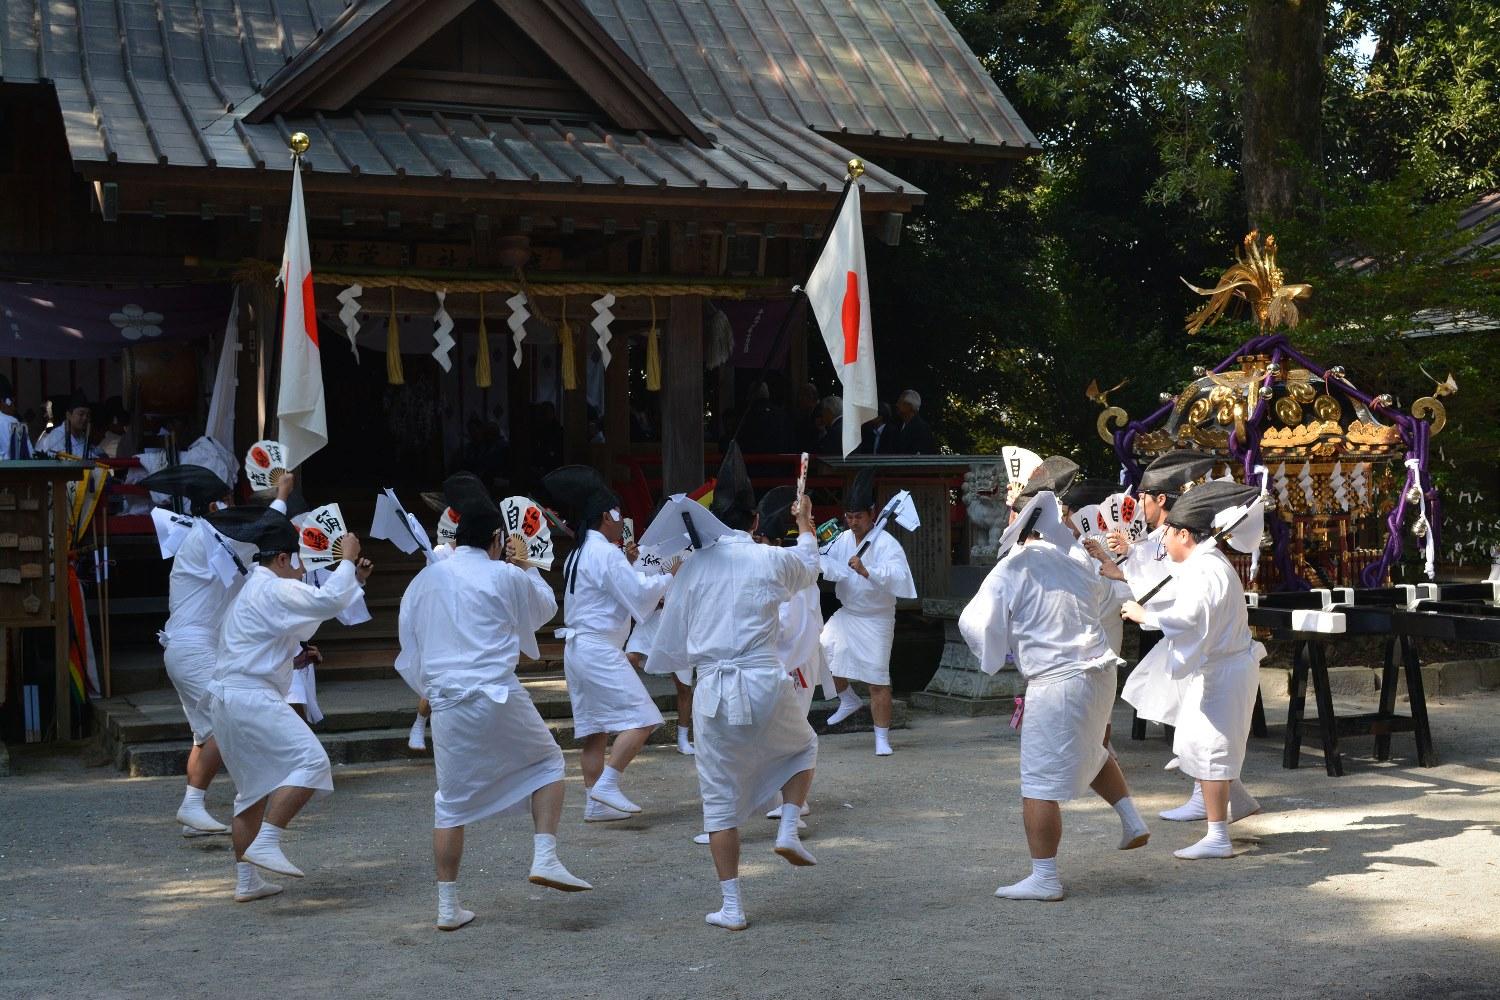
x=1380, y=884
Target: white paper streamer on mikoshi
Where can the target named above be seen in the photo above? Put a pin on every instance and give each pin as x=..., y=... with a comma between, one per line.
x=443, y=335
x=349, y=316
x=321, y=536
x=1283, y=490
x=171, y=530
x=519, y=314
x=1361, y=482
x=602, y=306
x=1305, y=480
x=1340, y=485
x=265, y=464
x=523, y=517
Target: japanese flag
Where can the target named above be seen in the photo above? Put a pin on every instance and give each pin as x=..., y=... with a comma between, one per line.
x=840, y=296
x=302, y=420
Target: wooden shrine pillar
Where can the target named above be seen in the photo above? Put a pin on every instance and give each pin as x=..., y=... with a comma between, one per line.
x=682, y=396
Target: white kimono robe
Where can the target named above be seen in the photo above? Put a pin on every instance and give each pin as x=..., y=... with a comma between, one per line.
x=857, y=639
x=643, y=635
x=265, y=745
x=196, y=599
x=464, y=623
x=721, y=617
x=1151, y=689
x=15, y=441
x=800, y=646
x=59, y=440
x=1044, y=606
x=598, y=604
x=1212, y=661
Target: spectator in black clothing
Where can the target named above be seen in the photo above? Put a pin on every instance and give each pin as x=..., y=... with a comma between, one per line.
x=878, y=433
x=767, y=429
x=829, y=419
x=805, y=427
x=913, y=436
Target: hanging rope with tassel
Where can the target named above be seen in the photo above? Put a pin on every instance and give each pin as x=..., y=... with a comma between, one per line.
x=653, y=353
x=394, y=375
x=565, y=338
x=482, y=361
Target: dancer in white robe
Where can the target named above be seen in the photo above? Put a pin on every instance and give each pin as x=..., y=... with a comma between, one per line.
x=602, y=592
x=1208, y=651
x=197, y=595
x=1043, y=606
x=276, y=762
x=857, y=639
x=638, y=649
x=464, y=623
x=753, y=737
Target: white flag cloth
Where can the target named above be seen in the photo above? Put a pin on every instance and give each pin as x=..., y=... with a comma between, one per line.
x=220, y=424
x=302, y=421
x=899, y=508
x=395, y=525
x=171, y=530
x=839, y=293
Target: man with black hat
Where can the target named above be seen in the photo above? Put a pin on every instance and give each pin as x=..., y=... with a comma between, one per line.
x=197, y=596
x=721, y=617
x=71, y=435
x=15, y=442
x=602, y=592
x=1206, y=639
x=857, y=639
x=276, y=762
x=1042, y=606
x=464, y=623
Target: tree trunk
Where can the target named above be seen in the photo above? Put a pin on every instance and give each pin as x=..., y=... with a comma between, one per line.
x=1283, y=146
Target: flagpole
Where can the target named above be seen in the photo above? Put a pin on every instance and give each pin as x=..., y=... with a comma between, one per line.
x=856, y=170
x=298, y=143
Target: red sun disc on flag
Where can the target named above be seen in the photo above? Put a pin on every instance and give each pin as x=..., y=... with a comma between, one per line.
x=260, y=458
x=314, y=539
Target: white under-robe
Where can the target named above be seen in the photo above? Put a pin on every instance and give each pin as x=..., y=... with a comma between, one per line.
x=464, y=622
x=264, y=743
x=800, y=647
x=857, y=638
x=721, y=617
x=1110, y=620
x=1211, y=661
x=196, y=599
x=1043, y=605
x=599, y=602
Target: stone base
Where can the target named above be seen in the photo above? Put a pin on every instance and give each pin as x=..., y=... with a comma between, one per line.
x=4, y=761
x=947, y=704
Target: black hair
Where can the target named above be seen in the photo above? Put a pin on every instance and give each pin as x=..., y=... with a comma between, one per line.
x=739, y=520
x=1198, y=536
x=476, y=531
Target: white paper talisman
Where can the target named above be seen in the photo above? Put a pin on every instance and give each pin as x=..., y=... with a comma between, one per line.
x=265, y=464
x=523, y=517
x=322, y=537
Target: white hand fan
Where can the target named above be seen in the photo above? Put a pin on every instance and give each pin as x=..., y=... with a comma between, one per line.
x=1124, y=514
x=629, y=535
x=322, y=537
x=265, y=464
x=524, y=517
x=447, y=527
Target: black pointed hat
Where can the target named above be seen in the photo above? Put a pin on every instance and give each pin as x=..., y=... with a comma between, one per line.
x=1088, y=493
x=861, y=492
x=734, y=497
x=1055, y=475
x=272, y=534
x=193, y=483
x=1171, y=472
x=477, y=510
x=1197, y=508
x=774, y=508
x=240, y=523
x=581, y=491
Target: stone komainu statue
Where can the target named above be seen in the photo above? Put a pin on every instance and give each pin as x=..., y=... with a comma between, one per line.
x=984, y=498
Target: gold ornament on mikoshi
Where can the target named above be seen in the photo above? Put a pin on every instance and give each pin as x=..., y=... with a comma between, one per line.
x=299, y=143
x=1255, y=278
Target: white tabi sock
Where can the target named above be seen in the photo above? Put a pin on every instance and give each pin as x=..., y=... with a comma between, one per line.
x=249, y=886
x=684, y=742
x=1214, y=845
x=788, y=842
x=1041, y=885
x=265, y=851
x=598, y=812
x=883, y=742
x=192, y=813
x=450, y=915
x=543, y=848
x=731, y=916
x=849, y=703
x=417, y=740
x=547, y=870
x=1190, y=811
x=607, y=790
x=1133, y=832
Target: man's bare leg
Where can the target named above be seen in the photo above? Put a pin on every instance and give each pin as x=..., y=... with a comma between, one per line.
x=447, y=852
x=281, y=808
x=1215, y=844
x=724, y=845
x=202, y=764
x=591, y=758
x=1043, y=821
x=788, y=840
x=546, y=869
x=606, y=788
x=880, y=711
x=1110, y=786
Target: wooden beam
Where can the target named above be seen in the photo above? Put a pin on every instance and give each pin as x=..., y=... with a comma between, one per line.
x=682, y=397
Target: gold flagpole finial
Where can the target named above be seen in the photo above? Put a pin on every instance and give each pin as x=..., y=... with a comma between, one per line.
x=299, y=143
x=856, y=168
